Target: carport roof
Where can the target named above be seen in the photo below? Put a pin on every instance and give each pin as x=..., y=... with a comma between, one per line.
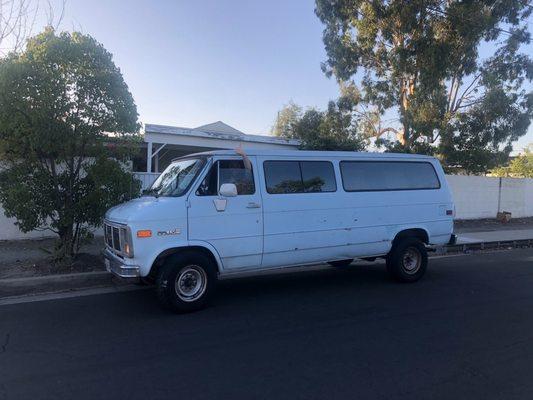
x=216, y=130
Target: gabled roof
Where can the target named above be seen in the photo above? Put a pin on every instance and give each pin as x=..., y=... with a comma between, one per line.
x=219, y=127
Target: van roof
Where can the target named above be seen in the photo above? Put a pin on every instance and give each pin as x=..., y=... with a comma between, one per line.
x=312, y=153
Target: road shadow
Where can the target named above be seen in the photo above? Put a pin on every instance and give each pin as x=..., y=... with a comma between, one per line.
x=286, y=287
x=303, y=283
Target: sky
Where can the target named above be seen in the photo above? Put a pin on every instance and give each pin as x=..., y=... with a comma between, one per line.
x=189, y=63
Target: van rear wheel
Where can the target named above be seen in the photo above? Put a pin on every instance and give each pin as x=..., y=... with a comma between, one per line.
x=186, y=282
x=408, y=259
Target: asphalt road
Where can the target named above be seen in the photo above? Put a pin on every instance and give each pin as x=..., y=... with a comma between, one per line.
x=464, y=332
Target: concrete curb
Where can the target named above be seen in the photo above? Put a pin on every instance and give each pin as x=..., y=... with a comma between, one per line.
x=57, y=277
x=31, y=286
x=68, y=293
x=492, y=245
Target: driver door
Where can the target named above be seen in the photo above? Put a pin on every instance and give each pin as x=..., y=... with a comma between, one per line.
x=232, y=225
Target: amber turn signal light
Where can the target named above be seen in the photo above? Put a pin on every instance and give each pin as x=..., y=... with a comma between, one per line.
x=144, y=233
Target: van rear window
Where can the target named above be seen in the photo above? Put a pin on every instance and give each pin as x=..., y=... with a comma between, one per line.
x=360, y=176
x=284, y=177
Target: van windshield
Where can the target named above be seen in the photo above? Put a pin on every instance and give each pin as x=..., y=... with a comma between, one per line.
x=176, y=178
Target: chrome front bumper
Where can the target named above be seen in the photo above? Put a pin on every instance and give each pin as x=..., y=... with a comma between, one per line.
x=116, y=266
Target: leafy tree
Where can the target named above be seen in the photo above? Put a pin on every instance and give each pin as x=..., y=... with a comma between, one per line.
x=420, y=60
x=519, y=167
x=332, y=129
x=64, y=107
x=286, y=120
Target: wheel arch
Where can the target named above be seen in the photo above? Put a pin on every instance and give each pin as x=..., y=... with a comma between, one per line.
x=417, y=232
x=192, y=247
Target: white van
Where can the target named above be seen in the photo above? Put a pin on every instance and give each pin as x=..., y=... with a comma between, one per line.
x=217, y=214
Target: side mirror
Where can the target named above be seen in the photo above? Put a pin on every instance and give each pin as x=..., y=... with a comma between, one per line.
x=228, y=190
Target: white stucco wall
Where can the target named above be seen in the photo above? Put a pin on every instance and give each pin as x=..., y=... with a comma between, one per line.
x=482, y=197
x=475, y=197
x=9, y=231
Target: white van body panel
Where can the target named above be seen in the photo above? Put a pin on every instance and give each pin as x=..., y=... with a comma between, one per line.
x=261, y=231
x=165, y=217
x=315, y=227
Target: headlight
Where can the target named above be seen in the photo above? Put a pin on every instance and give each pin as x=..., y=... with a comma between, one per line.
x=127, y=242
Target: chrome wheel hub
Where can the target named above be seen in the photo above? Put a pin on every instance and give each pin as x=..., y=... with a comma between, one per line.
x=190, y=283
x=412, y=259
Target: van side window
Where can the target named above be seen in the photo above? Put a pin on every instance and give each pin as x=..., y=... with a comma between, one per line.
x=227, y=171
x=318, y=176
x=360, y=176
x=284, y=177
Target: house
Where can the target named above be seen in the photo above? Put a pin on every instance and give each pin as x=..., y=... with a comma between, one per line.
x=162, y=143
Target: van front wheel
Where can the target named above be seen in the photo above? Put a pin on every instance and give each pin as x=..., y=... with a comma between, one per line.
x=408, y=260
x=186, y=282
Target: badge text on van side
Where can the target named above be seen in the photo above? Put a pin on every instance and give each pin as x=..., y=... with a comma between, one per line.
x=176, y=231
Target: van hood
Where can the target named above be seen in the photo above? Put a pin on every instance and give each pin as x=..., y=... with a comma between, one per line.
x=148, y=208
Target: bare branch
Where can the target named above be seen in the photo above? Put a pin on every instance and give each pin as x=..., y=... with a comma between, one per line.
x=467, y=92
x=20, y=18
x=470, y=104
x=61, y=15
x=385, y=130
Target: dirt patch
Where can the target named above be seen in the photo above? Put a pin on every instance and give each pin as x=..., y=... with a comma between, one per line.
x=26, y=258
x=492, y=224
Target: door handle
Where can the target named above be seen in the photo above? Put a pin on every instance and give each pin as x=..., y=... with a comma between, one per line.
x=253, y=205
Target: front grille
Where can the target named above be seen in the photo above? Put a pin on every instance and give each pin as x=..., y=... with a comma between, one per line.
x=108, y=237
x=112, y=237
x=116, y=239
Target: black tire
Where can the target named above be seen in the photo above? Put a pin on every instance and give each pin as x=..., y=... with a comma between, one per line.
x=186, y=282
x=341, y=263
x=408, y=259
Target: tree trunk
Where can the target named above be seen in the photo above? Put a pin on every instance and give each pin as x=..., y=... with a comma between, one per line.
x=64, y=250
x=407, y=136
x=407, y=89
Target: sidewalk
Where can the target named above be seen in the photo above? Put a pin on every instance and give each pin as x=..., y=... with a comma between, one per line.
x=485, y=231
x=494, y=236
x=490, y=225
